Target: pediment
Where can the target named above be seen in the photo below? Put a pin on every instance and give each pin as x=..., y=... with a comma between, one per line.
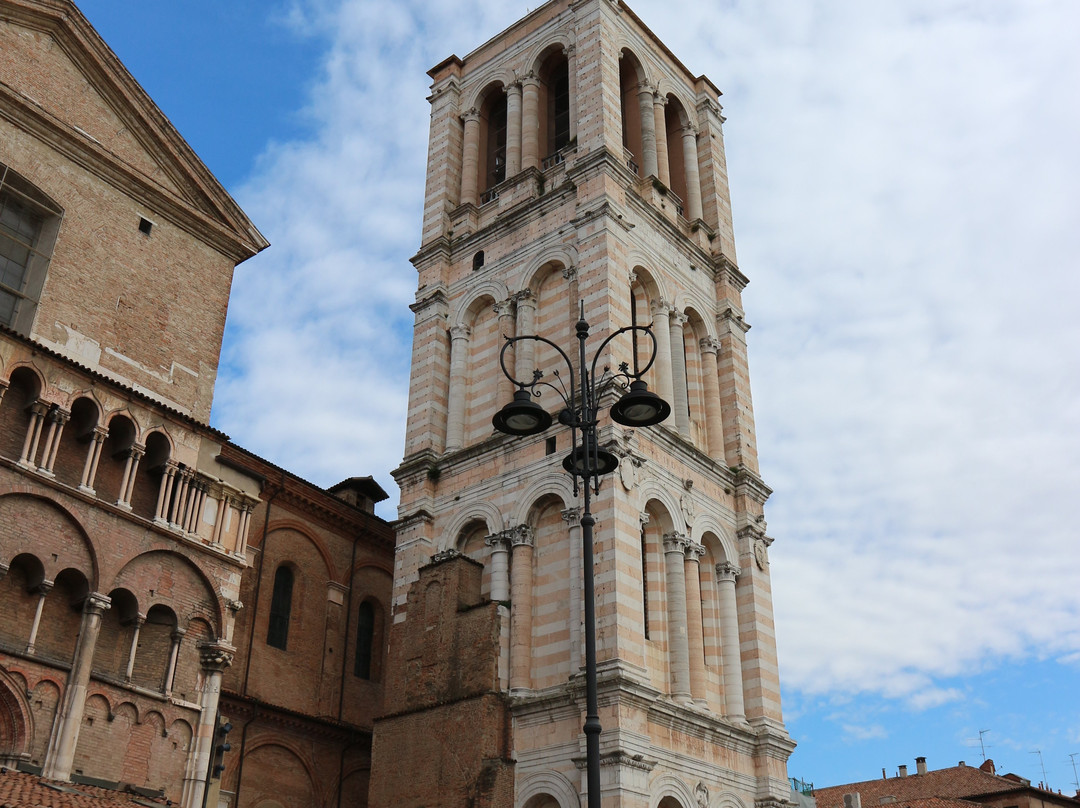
x=59, y=79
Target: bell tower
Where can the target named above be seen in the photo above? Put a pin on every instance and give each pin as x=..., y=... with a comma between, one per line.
x=575, y=161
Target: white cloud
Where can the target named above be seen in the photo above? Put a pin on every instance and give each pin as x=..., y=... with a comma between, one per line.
x=904, y=183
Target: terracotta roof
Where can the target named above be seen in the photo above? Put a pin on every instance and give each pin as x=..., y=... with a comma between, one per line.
x=21, y=790
x=950, y=784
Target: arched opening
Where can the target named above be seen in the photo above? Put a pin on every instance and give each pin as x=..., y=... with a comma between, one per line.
x=189, y=674
x=369, y=624
x=19, y=596
x=542, y=801
x=113, y=647
x=15, y=724
x=631, y=77
x=484, y=344
x=29, y=222
x=148, y=479
x=114, y=458
x=555, y=564
x=154, y=648
x=62, y=613
x=693, y=332
x=277, y=632
x=493, y=122
x=656, y=523
x=555, y=105
x=472, y=542
x=675, y=120
x=24, y=389
x=75, y=442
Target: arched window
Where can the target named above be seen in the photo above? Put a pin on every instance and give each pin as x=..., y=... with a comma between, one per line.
x=277, y=633
x=495, y=151
x=365, y=640
x=29, y=221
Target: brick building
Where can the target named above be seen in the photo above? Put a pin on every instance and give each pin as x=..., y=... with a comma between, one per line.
x=574, y=158
x=131, y=533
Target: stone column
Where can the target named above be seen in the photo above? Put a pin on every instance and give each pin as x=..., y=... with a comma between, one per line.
x=246, y=509
x=57, y=419
x=38, y=411
x=140, y=619
x=695, y=635
x=571, y=71
x=693, y=179
x=131, y=468
x=167, y=681
x=93, y=455
x=714, y=418
x=168, y=476
x=661, y=328
x=65, y=734
x=215, y=657
x=648, y=131
x=726, y=573
x=43, y=590
x=504, y=387
x=513, y=130
x=662, y=159
x=521, y=591
x=500, y=563
x=572, y=517
x=176, y=512
x=470, y=157
x=455, y=405
x=530, y=122
x=524, y=353
x=678, y=650
x=679, y=404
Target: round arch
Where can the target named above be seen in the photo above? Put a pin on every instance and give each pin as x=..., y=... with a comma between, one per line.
x=62, y=532
x=552, y=784
x=305, y=531
x=16, y=720
x=669, y=786
x=488, y=293
x=481, y=511
x=551, y=484
x=707, y=525
x=561, y=38
x=496, y=82
x=652, y=491
x=196, y=579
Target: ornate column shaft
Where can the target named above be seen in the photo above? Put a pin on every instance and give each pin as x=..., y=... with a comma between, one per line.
x=43, y=590
x=65, y=735
x=648, y=131
x=714, y=418
x=500, y=567
x=680, y=405
x=694, y=632
x=530, y=122
x=521, y=591
x=470, y=157
x=167, y=681
x=93, y=455
x=693, y=178
x=660, y=123
x=168, y=476
x=176, y=512
x=33, y=433
x=215, y=657
x=246, y=510
x=57, y=419
x=726, y=573
x=513, y=129
x=140, y=619
x=572, y=517
x=455, y=406
x=661, y=328
x=678, y=649
x=131, y=468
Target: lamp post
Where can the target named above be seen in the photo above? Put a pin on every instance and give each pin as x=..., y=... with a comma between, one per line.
x=523, y=416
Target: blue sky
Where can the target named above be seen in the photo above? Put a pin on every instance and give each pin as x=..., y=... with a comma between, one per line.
x=907, y=206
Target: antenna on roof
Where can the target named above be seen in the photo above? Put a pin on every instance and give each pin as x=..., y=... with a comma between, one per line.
x=1076, y=780
x=982, y=744
x=1045, y=784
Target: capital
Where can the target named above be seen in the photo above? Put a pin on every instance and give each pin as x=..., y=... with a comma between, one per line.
x=215, y=656
x=571, y=515
x=498, y=542
x=675, y=542
x=460, y=332
x=471, y=115
x=96, y=603
x=522, y=536
x=643, y=518
x=709, y=345
x=726, y=571
x=694, y=551
x=60, y=416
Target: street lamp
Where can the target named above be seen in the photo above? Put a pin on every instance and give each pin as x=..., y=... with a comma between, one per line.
x=637, y=407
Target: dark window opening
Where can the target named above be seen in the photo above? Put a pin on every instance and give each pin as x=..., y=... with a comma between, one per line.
x=365, y=640
x=145, y=226
x=478, y=260
x=560, y=97
x=28, y=226
x=644, y=582
x=496, y=156
x=277, y=634
x=549, y=446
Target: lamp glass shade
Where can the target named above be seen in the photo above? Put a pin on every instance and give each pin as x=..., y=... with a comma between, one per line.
x=578, y=461
x=522, y=416
x=639, y=407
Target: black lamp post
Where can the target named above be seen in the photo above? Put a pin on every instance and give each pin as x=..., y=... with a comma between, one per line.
x=636, y=407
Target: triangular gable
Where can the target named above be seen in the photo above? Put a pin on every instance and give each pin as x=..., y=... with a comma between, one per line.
x=59, y=79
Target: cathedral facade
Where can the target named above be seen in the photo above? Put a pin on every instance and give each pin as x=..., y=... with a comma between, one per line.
x=576, y=166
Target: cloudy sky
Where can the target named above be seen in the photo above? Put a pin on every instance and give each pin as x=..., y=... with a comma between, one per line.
x=906, y=186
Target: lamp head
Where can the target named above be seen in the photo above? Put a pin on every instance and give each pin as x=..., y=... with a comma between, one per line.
x=584, y=455
x=522, y=416
x=639, y=407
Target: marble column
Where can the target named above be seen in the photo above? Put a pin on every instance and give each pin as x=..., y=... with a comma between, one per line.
x=43, y=590
x=530, y=122
x=214, y=658
x=131, y=468
x=693, y=178
x=678, y=649
x=500, y=566
x=695, y=635
x=731, y=656
x=138, y=623
x=470, y=158
x=65, y=734
x=455, y=406
x=504, y=387
x=680, y=406
x=521, y=592
x=714, y=417
x=38, y=410
x=93, y=455
x=177, y=637
x=524, y=356
x=513, y=129
x=661, y=328
x=57, y=418
x=663, y=162
x=572, y=517
x=168, y=477
x=648, y=131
